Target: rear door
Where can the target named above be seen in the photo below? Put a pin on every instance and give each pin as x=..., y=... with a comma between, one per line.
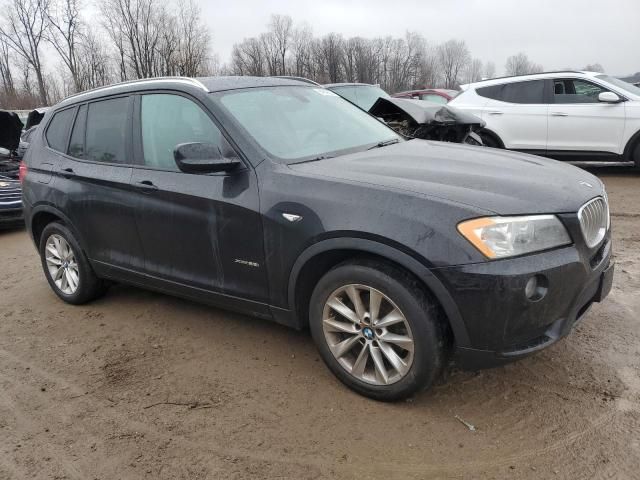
x=579, y=122
x=202, y=231
x=517, y=113
x=93, y=183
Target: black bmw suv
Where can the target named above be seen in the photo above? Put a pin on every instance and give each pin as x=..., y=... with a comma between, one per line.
x=280, y=199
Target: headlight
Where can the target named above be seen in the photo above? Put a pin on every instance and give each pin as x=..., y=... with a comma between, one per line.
x=500, y=237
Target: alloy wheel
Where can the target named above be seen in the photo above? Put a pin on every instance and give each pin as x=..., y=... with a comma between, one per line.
x=62, y=264
x=368, y=334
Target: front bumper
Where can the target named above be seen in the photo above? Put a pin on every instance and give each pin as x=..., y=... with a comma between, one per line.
x=502, y=323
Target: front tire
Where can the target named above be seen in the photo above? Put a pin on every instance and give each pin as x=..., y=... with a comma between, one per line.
x=377, y=330
x=66, y=266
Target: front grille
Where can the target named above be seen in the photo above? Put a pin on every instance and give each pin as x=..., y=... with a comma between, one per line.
x=594, y=221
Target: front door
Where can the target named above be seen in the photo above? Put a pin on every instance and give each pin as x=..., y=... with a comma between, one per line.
x=202, y=231
x=579, y=122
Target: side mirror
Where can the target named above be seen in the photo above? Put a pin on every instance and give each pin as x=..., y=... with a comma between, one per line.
x=202, y=158
x=609, y=97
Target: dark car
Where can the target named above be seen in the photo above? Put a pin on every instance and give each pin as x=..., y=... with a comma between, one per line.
x=279, y=199
x=10, y=203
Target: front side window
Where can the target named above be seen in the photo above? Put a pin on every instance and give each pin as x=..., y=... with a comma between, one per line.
x=58, y=130
x=169, y=120
x=576, y=91
x=529, y=92
x=302, y=123
x=106, y=131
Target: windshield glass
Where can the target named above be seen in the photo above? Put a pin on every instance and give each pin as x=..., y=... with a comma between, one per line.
x=620, y=84
x=362, y=95
x=303, y=123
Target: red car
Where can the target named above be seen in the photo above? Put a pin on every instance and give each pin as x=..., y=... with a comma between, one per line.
x=435, y=95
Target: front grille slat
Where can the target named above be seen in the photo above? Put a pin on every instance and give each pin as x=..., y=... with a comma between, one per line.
x=594, y=220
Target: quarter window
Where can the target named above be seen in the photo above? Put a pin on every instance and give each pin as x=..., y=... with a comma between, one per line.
x=494, y=92
x=58, y=130
x=106, y=131
x=169, y=120
x=576, y=91
x=530, y=92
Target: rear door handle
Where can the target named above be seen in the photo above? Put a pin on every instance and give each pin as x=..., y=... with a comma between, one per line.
x=68, y=172
x=146, y=186
x=559, y=114
x=496, y=112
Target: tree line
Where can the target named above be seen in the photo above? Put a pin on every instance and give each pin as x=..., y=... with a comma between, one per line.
x=50, y=49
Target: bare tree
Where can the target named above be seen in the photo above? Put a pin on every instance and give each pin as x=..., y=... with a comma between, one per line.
x=194, y=40
x=453, y=57
x=489, y=70
x=95, y=68
x=64, y=35
x=521, y=65
x=473, y=71
x=595, y=67
x=247, y=58
x=26, y=24
x=280, y=28
x=301, y=51
x=6, y=75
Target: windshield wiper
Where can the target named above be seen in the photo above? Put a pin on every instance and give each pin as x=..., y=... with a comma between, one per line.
x=384, y=144
x=316, y=159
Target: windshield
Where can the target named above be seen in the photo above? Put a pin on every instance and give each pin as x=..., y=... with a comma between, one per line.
x=632, y=89
x=303, y=123
x=363, y=96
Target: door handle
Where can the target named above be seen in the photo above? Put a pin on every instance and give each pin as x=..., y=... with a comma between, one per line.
x=496, y=112
x=146, y=186
x=68, y=172
x=559, y=114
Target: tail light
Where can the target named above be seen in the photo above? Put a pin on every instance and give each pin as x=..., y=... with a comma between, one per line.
x=22, y=172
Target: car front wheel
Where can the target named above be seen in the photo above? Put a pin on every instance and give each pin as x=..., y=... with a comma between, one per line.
x=377, y=330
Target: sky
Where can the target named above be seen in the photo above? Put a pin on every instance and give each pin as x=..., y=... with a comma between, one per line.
x=557, y=34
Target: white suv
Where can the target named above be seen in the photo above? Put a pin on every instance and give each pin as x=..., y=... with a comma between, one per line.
x=577, y=116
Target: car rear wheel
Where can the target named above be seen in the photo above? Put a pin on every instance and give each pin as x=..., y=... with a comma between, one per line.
x=635, y=154
x=377, y=330
x=66, y=266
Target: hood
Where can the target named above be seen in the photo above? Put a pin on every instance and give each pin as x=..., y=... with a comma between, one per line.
x=35, y=117
x=422, y=112
x=497, y=181
x=10, y=130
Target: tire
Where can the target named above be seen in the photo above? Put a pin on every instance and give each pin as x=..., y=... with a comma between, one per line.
x=77, y=283
x=635, y=154
x=489, y=140
x=400, y=293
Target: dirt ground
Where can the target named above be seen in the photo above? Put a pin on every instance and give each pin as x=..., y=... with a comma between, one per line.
x=141, y=385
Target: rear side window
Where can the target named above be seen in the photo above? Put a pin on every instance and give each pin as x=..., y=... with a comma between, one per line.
x=58, y=130
x=106, y=131
x=76, y=146
x=494, y=92
x=524, y=92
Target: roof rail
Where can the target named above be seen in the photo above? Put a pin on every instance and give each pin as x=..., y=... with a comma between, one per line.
x=526, y=75
x=190, y=80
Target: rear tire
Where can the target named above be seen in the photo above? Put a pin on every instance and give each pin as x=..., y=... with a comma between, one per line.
x=388, y=347
x=635, y=154
x=66, y=266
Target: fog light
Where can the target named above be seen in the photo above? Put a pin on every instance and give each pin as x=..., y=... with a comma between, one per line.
x=536, y=288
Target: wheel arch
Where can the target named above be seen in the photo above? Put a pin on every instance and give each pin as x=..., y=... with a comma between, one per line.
x=492, y=134
x=43, y=215
x=633, y=141
x=320, y=257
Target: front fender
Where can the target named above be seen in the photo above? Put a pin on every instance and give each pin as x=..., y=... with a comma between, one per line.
x=394, y=255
